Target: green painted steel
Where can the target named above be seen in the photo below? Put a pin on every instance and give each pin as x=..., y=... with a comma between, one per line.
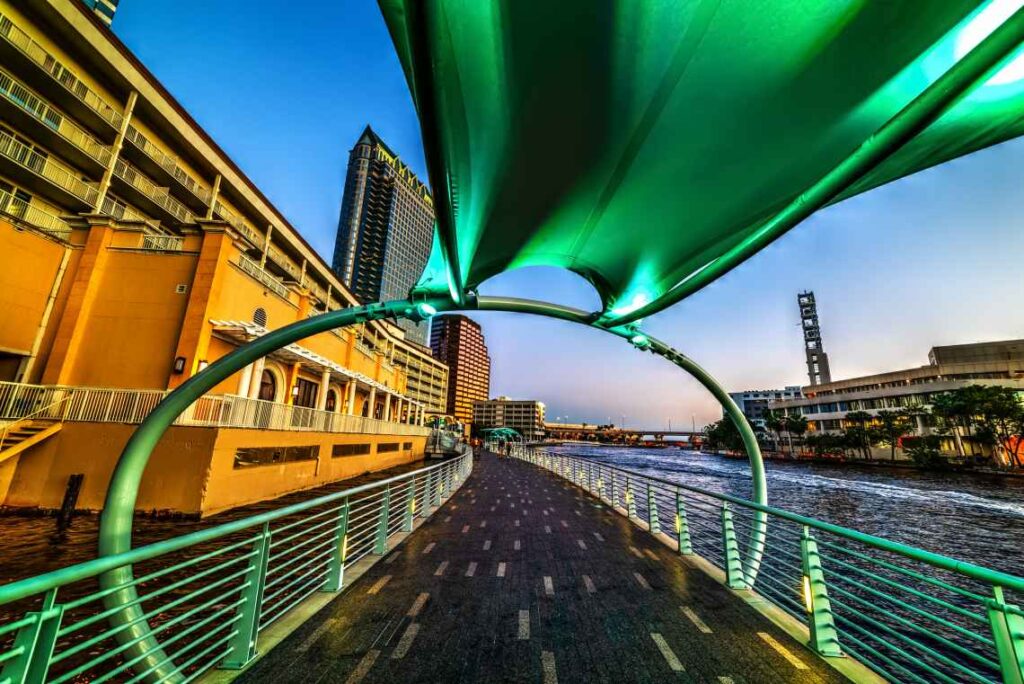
x=650, y=147
x=682, y=527
x=909, y=614
x=208, y=595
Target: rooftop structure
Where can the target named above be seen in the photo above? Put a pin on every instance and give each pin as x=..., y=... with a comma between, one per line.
x=817, y=360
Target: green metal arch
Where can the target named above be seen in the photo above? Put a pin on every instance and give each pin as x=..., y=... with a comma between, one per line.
x=122, y=492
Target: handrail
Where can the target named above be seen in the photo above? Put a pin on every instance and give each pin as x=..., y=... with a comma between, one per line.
x=30, y=417
x=74, y=573
x=908, y=614
x=978, y=572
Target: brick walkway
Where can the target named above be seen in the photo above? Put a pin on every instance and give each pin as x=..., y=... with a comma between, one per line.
x=521, y=577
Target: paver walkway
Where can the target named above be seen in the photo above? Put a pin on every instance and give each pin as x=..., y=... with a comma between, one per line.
x=522, y=577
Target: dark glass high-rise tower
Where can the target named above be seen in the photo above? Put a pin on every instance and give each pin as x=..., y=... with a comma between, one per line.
x=385, y=229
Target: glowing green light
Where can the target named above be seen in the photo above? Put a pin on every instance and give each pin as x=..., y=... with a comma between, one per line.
x=984, y=23
x=426, y=310
x=639, y=341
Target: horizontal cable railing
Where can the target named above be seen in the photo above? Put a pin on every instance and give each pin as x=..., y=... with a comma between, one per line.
x=207, y=597
x=114, y=405
x=53, y=171
x=908, y=614
x=34, y=216
x=27, y=100
x=34, y=51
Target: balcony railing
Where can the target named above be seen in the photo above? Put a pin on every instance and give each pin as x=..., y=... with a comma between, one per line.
x=251, y=268
x=118, y=210
x=38, y=108
x=35, y=52
x=168, y=163
x=35, y=217
x=53, y=171
x=238, y=223
x=163, y=243
x=160, y=195
x=113, y=405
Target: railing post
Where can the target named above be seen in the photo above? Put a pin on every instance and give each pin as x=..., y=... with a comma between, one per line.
x=630, y=498
x=36, y=642
x=824, y=638
x=1007, y=622
x=381, y=547
x=614, y=491
x=653, y=523
x=734, y=577
x=682, y=526
x=410, y=506
x=428, y=496
x=243, y=644
x=336, y=565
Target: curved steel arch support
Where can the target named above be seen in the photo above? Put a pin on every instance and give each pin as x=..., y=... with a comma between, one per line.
x=128, y=615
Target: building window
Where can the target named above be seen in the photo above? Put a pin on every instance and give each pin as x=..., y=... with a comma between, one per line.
x=350, y=450
x=250, y=457
x=268, y=386
x=332, y=401
x=387, y=447
x=306, y=395
x=406, y=446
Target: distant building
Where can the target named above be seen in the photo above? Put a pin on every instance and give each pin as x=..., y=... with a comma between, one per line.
x=385, y=228
x=104, y=9
x=817, y=360
x=525, y=416
x=984, y=363
x=459, y=342
x=754, y=403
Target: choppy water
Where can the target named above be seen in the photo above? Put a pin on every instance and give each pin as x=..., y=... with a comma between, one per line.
x=978, y=518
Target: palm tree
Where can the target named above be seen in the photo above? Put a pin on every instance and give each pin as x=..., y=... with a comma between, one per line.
x=795, y=425
x=775, y=421
x=857, y=431
x=892, y=427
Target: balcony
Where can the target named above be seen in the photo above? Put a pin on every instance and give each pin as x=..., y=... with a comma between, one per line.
x=162, y=243
x=238, y=223
x=47, y=177
x=21, y=53
x=150, y=193
x=252, y=269
x=119, y=211
x=158, y=162
x=11, y=206
x=28, y=111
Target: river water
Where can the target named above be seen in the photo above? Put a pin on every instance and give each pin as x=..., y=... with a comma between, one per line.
x=978, y=518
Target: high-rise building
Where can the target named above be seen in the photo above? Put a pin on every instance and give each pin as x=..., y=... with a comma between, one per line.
x=753, y=403
x=459, y=342
x=817, y=360
x=104, y=9
x=385, y=229
x=525, y=416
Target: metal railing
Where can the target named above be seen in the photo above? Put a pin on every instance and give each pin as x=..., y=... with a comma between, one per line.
x=53, y=171
x=163, y=243
x=44, y=221
x=34, y=51
x=167, y=162
x=8, y=428
x=131, y=406
x=251, y=268
x=118, y=210
x=207, y=597
x=27, y=100
x=160, y=195
x=908, y=614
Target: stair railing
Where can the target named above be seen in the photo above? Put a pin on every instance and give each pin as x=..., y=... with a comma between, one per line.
x=59, y=417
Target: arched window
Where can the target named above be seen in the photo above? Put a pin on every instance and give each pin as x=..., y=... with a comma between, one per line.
x=268, y=386
x=332, y=401
x=259, y=317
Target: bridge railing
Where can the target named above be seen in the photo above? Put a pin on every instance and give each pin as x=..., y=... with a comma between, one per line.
x=908, y=614
x=208, y=596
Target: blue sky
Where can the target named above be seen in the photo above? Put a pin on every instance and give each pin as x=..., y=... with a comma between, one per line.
x=932, y=259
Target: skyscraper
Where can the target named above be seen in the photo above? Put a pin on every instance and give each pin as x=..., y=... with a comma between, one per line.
x=385, y=229
x=817, y=359
x=459, y=342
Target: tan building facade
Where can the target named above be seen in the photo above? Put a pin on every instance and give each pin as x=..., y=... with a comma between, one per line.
x=133, y=253
x=525, y=416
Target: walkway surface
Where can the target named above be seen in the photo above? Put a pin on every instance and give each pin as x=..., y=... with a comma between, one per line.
x=522, y=577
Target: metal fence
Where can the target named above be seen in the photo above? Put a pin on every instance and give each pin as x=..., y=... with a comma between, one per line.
x=113, y=405
x=207, y=597
x=908, y=614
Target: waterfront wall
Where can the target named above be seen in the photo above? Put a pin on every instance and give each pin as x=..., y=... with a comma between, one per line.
x=192, y=469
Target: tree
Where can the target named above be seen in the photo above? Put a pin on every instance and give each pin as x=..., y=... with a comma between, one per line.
x=723, y=435
x=1002, y=422
x=795, y=425
x=775, y=421
x=857, y=434
x=892, y=427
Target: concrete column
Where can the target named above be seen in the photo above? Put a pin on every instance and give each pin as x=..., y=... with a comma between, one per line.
x=256, y=378
x=386, y=413
x=350, y=397
x=325, y=384
x=372, y=402
x=245, y=381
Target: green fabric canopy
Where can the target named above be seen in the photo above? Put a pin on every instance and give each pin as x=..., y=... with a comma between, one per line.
x=652, y=145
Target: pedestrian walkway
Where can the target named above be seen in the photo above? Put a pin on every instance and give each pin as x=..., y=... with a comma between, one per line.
x=522, y=577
